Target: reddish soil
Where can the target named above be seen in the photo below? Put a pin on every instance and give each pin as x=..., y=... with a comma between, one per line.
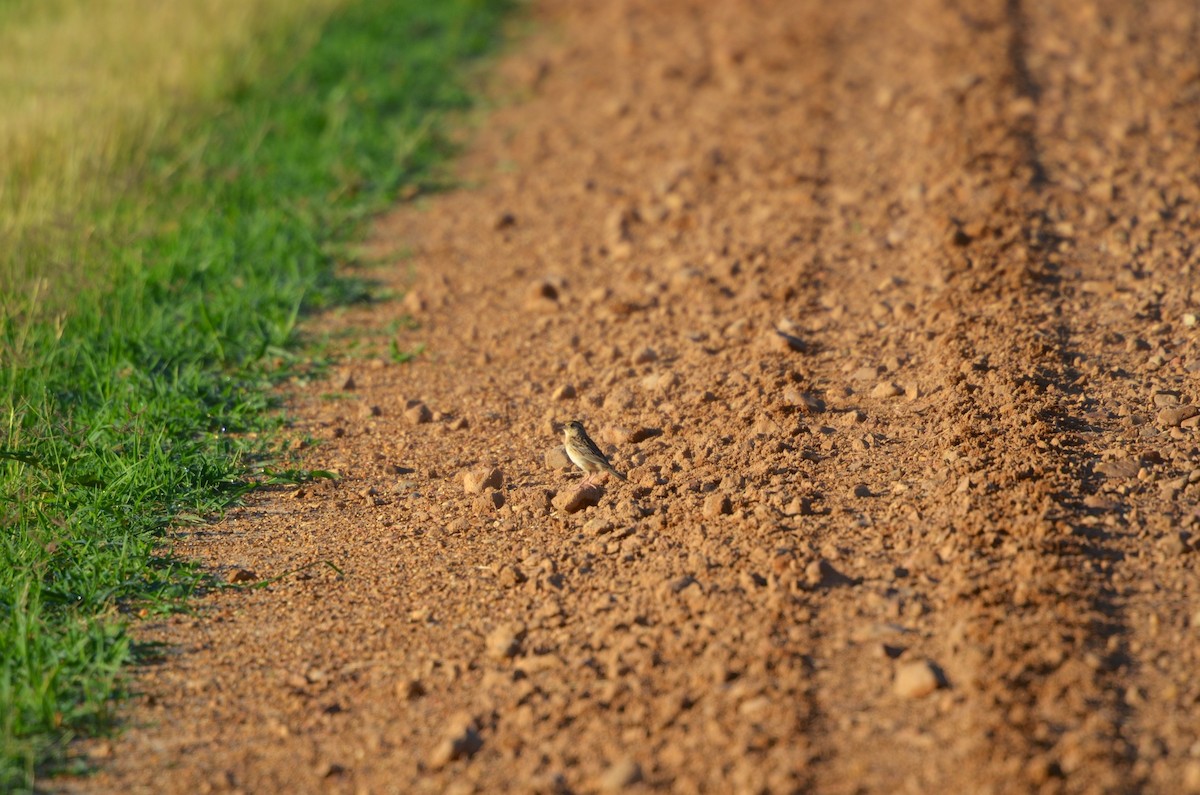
x=889, y=311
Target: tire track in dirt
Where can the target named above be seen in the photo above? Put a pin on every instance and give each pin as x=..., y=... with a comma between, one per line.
x=1120, y=133
x=1016, y=489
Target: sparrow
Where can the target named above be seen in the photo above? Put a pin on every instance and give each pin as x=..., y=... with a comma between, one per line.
x=584, y=453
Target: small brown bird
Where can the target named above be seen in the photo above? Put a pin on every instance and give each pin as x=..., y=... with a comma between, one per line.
x=584, y=453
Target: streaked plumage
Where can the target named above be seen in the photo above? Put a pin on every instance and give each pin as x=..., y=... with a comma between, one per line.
x=584, y=453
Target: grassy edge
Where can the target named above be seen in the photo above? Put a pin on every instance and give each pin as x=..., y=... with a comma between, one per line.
x=142, y=404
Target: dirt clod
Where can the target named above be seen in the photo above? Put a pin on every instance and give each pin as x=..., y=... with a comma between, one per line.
x=417, y=413
x=1172, y=416
x=915, y=679
x=505, y=641
x=620, y=776
x=717, y=505
x=462, y=741
x=476, y=480
x=573, y=500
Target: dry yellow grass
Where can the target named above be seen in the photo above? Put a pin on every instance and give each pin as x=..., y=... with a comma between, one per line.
x=87, y=86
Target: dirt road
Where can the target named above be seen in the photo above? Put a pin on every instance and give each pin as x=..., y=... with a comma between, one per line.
x=889, y=311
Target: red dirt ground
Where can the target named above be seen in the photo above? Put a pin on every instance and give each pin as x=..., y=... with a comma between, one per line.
x=889, y=311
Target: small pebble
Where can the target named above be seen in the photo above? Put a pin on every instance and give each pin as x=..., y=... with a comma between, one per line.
x=785, y=343
x=462, y=741
x=1172, y=416
x=1165, y=399
x=717, y=504
x=475, y=481
x=556, y=458
x=915, y=679
x=417, y=413
x=578, y=498
x=542, y=291
x=866, y=373
x=886, y=389
x=242, y=575
x=505, y=641
x=488, y=502
x=511, y=576
x=410, y=689
x=645, y=356
x=620, y=776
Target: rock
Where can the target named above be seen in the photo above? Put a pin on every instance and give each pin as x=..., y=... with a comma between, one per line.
x=242, y=575
x=598, y=526
x=564, y=392
x=542, y=291
x=459, y=424
x=504, y=220
x=578, y=498
x=619, y=399
x=616, y=434
x=1191, y=776
x=916, y=679
x=410, y=689
x=821, y=574
x=886, y=389
x=462, y=741
x=851, y=418
x=370, y=411
x=510, y=576
x=717, y=504
x=862, y=490
x=1098, y=502
x=802, y=400
x=785, y=343
x=414, y=302
x=645, y=356
x=1164, y=400
x=475, y=481
x=799, y=506
x=620, y=775
x=348, y=384
x=642, y=434
x=619, y=435
x=666, y=381
x=489, y=502
x=681, y=584
x=1170, y=489
x=505, y=641
x=417, y=413
x=1124, y=468
x=865, y=373
x=556, y=458
x=1172, y=416
x=331, y=770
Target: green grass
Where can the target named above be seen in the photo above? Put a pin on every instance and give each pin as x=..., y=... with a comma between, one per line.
x=144, y=396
